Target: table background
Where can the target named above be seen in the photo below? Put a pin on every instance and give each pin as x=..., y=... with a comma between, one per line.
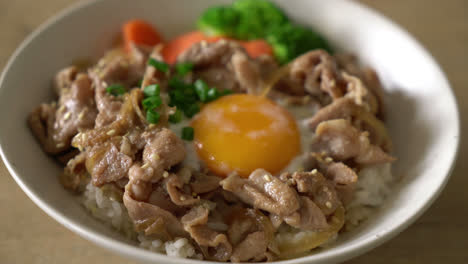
x=28, y=235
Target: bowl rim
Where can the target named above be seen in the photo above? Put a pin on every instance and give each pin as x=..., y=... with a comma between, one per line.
x=131, y=251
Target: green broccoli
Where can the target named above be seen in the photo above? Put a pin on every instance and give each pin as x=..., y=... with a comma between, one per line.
x=261, y=19
x=245, y=19
x=219, y=21
x=289, y=41
x=257, y=17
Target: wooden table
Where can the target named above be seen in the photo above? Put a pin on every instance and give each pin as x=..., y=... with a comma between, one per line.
x=28, y=235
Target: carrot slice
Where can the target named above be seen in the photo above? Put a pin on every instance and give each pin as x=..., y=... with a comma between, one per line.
x=257, y=48
x=140, y=32
x=181, y=43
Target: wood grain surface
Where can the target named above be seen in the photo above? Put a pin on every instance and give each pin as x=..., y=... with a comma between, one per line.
x=28, y=235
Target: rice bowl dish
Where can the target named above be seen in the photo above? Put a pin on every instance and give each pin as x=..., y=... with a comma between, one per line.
x=369, y=191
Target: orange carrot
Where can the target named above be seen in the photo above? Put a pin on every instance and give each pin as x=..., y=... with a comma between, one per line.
x=140, y=32
x=181, y=43
x=257, y=48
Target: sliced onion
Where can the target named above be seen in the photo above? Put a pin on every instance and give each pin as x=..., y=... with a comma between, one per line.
x=292, y=246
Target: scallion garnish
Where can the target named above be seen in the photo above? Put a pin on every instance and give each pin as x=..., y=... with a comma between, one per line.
x=188, y=133
x=191, y=109
x=212, y=94
x=202, y=90
x=176, y=117
x=151, y=102
x=183, y=68
x=151, y=90
x=159, y=65
x=115, y=89
x=152, y=116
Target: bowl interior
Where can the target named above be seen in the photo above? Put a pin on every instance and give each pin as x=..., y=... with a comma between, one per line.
x=422, y=113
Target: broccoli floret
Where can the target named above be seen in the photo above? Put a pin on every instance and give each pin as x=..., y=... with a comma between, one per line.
x=289, y=41
x=261, y=19
x=245, y=19
x=219, y=21
x=257, y=17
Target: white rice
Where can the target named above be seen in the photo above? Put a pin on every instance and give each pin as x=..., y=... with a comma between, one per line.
x=373, y=187
x=115, y=214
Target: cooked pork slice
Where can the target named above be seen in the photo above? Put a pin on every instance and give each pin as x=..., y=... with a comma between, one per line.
x=115, y=68
x=160, y=198
x=337, y=172
x=164, y=150
x=152, y=219
x=342, y=141
x=139, y=54
x=317, y=73
x=252, y=248
x=360, y=94
x=174, y=186
x=74, y=173
x=315, y=186
x=346, y=108
x=64, y=79
x=204, y=54
x=247, y=74
x=203, y=183
x=198, y=215
x=263, y=191
x=308, y=217
x=153, y=75
x=214, y=245
x=138, y=189
x=350, y=64
x=106, y=163
x=56, y=124
x=225, y=65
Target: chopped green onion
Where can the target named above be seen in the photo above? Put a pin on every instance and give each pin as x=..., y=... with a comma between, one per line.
x=176, y=83
x=176, y=117
x=191, y=110
x=177, y=97
x=183, y=68
x=212, y=94
x=159, y=65
x=139, y=82
x=115, y=89
x=152, y=116
x=202, y=90
x=188, y=133
x=152, y=90
x=151, y=102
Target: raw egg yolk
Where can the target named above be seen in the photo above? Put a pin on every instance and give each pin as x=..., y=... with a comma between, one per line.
x=241, y=133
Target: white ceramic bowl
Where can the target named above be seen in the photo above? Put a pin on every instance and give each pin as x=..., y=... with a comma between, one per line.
x=422, y=112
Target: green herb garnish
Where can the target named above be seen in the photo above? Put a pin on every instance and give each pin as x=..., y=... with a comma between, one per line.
x=115, y=89
x=188, y=133
x=152, y=90
x=202, y=90
x=191, y=110
x=159, y=65
x=151, y=102
x=152, y=116
x=183, y=68
x=212, y=94
x=176, y=117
